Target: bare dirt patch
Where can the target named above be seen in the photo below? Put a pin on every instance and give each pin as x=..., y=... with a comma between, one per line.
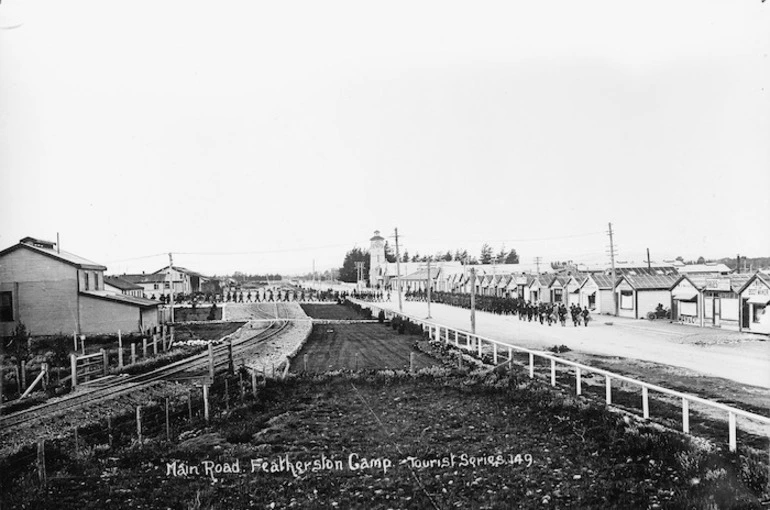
x=331, y=312
x=359, y=347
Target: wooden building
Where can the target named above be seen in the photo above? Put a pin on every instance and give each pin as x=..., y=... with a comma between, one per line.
x=52, y=292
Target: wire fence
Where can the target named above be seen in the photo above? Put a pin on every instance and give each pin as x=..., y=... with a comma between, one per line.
x=47, y=461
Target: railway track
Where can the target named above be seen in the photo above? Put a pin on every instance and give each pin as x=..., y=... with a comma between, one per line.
x=123, y=385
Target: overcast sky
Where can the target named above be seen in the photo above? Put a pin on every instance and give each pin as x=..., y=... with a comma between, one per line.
x=260, y=136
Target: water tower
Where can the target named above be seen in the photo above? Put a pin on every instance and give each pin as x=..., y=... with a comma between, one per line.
x=376, y=257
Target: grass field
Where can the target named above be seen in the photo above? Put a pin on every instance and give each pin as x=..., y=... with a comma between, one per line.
x=331, y=312
x=366, y=346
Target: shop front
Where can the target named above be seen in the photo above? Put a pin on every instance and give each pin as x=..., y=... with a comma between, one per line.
x=755, y=297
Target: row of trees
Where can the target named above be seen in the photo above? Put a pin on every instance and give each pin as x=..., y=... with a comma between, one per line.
x=347, y=272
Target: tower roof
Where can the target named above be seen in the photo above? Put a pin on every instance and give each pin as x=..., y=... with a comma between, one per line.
x=377, y=236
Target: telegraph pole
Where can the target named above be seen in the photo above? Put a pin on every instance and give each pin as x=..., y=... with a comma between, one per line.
x=171, y=287
x=649, y=265
x=398, y=275
x=614, y=276
x=537, y=261
x=473, y=300
x=429, y=285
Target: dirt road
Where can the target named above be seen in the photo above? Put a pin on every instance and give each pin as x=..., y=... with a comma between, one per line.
x=740, y=357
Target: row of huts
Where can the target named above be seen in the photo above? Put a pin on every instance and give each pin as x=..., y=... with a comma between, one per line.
x=733, y=301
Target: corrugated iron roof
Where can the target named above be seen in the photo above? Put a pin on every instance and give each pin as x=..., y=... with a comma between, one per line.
x=650, y=282
x=120, y=283
x=123, y=298
x=64, y=256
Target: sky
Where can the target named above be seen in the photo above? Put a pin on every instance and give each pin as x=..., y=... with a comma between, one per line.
x=272, y=136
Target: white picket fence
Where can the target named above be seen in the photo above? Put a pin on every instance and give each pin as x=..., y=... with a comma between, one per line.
x=477, y=342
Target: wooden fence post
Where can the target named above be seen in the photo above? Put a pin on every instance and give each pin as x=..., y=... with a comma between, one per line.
x=206, y=402
x=144, y=347
x=553, y=372
x=139, y=423
x=2, y=357
x=411, y=362
x=74, y=369
x=478, y=339
x=645, y=403
x=163, y=337
x=510, y=358
x=105, y=361
x=732, y=431
x=685, y=415
x=494, y=354
x=608, y=390
x=120, y=350
x=531, y=365
x=154, y=344
x=254, y=383
x=41, y=475
x=211, y=361
x=578, y=381
x=133, y=353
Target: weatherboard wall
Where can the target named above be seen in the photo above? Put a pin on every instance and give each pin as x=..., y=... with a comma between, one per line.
x=43, y=290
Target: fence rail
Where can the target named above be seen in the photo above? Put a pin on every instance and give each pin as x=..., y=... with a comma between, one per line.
x=475, y=342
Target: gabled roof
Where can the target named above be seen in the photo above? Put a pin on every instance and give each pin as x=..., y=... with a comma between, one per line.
x=647, y=282
x=756, y=276
x=178, y=269
x=699, y=282
x=421, y=274
x=122, y=298
x=144, y=278
x=602, y=281
x=42, y=247
x=120, y=283
x=561, y=280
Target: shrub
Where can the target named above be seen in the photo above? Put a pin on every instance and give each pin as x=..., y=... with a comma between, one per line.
x=381, y=317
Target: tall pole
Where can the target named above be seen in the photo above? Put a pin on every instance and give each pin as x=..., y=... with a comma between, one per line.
x=649, y=265
x=398, y=275
x=473, y=300
x=537, y=261
x=429, y=285
x=171, y=285
x=614, y=276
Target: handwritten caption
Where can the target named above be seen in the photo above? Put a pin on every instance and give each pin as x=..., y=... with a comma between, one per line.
x=353, y=462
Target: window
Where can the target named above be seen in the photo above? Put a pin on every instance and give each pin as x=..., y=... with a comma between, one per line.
x=155, y=286
x=167, y=285
x=627, y=299
x=592, y=301
x=86, y=275
x=6, y=306
x=557, y=295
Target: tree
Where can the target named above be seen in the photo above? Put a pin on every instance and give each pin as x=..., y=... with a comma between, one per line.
x=416, y=257
x=405, y=256
x=486, y=254
x=512, y=257
x=389, y=255
x=500, y=257
x=348, y=270
x=461, y=255
x=701, y=260
x=447, y=256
